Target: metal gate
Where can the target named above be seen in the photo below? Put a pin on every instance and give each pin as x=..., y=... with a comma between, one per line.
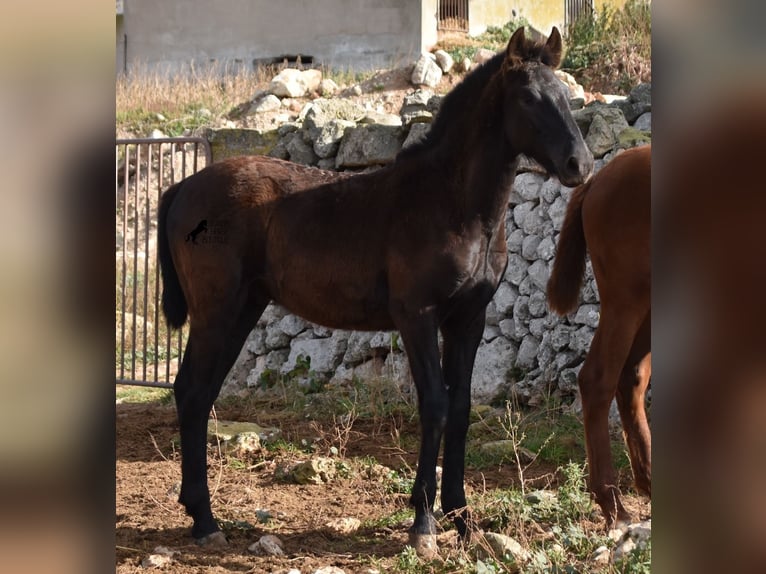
x=576, y=9
x=147, y=352
x=452, y=16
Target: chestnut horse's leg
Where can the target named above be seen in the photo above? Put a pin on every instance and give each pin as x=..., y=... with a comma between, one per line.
x=598, y=380
x=419, y=335
x=461, y=340
x=631, y=394
x=209, y=355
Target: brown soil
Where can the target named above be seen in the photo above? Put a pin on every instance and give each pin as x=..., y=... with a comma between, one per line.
x=148, y=514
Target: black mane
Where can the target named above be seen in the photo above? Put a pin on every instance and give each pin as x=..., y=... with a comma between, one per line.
x=454, y=104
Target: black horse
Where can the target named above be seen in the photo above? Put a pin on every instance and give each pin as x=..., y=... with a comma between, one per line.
x=418, y=246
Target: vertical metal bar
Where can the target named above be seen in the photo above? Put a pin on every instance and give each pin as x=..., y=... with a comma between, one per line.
x=146, y=252
x=180, y=331
x=183, y=176
x=135, y=260
x=157, y=273
x=123, y=305
x=117, y=304
x=168, y=342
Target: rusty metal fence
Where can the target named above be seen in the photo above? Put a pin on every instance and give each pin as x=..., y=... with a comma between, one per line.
x=452, y=16
x=148, y=353
x=576, y=9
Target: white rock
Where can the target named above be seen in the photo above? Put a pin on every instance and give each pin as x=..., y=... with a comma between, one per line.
x=269, y=545
x=600, y=555
x=344, y=525
x=329, y=570
x=426, y=71
x=294, y=83
x=445, y=61
x=328, y=87
x=324, y=354
x=312, y=79
x=482, y=55
x=268, y=103
x=503, y=545
x=161, y=556
x=575, y=89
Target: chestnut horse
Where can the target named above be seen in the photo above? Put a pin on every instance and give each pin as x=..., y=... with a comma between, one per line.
x=417, y=246
x=611, y=216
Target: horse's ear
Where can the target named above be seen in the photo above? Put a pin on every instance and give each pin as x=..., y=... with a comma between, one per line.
x=553, y=48
x=514, y=53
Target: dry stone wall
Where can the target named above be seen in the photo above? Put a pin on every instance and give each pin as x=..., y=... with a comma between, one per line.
x=527, y=352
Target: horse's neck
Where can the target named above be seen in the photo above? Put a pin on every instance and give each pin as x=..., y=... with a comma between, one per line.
x=480, y=163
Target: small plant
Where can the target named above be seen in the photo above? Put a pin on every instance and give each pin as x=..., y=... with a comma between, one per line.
x=392, y=520
x=399, y=483
x=408, y=560
x=573, y=494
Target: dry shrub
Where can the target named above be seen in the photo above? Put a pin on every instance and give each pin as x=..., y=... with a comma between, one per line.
x=610, y=51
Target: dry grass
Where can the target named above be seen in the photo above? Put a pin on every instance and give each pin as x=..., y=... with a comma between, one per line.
x=179, y=102
x=212, y=87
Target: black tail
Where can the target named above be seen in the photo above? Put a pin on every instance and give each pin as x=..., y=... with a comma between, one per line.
x=569, y=265
x=173, y=300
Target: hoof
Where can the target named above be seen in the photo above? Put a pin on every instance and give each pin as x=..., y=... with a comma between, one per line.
x=213, y=539
x=425, y=545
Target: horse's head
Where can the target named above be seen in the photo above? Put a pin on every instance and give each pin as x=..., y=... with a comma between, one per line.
x=538, y=122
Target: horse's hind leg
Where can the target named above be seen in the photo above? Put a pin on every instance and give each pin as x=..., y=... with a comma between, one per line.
x=631, y=394
x=598, y=381
x=210, y=353
x=461, y=341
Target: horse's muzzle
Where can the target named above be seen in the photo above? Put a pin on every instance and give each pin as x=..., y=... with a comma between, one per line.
x=577, y=168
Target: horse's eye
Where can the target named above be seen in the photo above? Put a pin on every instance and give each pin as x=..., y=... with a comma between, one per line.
x=528, y=98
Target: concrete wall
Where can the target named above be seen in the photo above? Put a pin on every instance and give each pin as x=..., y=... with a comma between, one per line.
x=484, y=13
x=356, y=34
x=541, y=14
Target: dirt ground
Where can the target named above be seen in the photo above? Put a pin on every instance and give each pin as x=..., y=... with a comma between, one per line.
x=148, y=514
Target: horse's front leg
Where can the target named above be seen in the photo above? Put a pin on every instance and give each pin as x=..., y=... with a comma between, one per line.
x=419, y=335
x=461, y=341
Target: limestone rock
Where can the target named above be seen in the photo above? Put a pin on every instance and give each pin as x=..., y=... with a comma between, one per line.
x=445, y=61
x=576, y=91
x=329, y=137
x=493, y=361
x=269, y=545
x=231, y=142
x=426, y=71
x=268, y=103
x=482, y=55
x=507, y=548
x=160, y=557
x=323, y=355
x=317, y=470
x=294, y=83
x=347, y=525
x=368, y=145
x=328, y=87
